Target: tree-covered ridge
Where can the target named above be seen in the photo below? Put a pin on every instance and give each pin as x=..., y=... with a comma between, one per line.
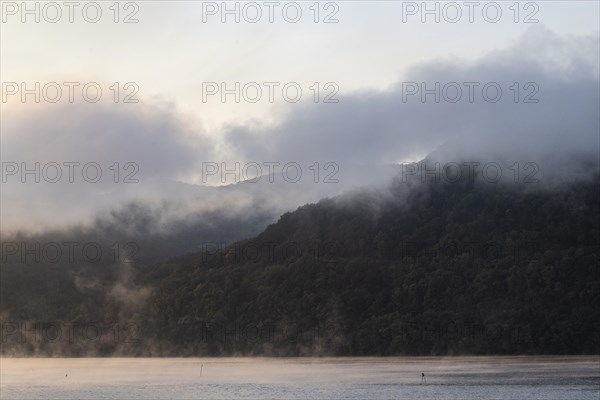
x=439, y=269
x=420, y=268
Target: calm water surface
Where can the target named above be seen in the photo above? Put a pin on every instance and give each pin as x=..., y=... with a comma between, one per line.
x=462, y=378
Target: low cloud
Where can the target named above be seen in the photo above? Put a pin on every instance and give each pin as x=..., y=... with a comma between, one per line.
x=392, y=126
x=363, y=134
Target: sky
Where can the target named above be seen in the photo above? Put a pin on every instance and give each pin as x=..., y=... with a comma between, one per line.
x=368, y=65
x=171, y=52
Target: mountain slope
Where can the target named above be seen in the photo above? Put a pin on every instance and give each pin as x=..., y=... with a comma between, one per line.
x=420, y=268
x=438, y=269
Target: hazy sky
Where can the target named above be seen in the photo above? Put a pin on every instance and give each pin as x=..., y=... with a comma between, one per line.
x=178, y=51
x=170, y=52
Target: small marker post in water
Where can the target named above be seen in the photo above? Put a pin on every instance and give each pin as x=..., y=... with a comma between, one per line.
x=201, y=366
x=423, y=379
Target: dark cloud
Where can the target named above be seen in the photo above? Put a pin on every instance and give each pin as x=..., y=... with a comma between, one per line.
x=161, y=141
x=383, y=127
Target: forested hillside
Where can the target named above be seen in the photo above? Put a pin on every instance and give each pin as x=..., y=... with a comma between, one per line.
x=438, y=269
x=434, y=268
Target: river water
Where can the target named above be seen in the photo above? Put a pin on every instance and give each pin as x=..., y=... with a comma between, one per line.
x=527, y=378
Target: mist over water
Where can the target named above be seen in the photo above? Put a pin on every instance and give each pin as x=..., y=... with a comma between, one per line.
x=300, y=378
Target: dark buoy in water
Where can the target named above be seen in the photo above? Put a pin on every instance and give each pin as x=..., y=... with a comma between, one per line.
x=66, y=375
